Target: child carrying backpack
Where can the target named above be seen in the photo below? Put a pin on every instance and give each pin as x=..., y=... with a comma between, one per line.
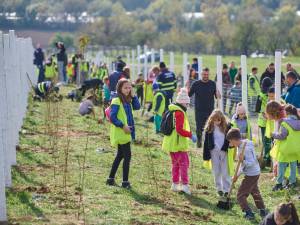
x=177, y=142
x=158, y=106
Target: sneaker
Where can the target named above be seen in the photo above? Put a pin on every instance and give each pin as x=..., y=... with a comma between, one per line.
x=175, y=187
x=263, y=213
x=290, y=186
x=249, y=215
x=110, y=182
x=126, y=184
x=277, y=187
x=220, y=193
x=186, y=189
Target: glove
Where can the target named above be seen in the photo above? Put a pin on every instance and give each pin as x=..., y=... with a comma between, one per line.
x=194, y=138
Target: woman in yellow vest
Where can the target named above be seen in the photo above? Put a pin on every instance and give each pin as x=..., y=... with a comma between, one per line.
x=287, y=141
x=122, y=129
x=158, y=106
x=177, y=143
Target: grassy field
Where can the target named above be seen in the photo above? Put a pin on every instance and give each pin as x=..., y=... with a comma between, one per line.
x=60, y=177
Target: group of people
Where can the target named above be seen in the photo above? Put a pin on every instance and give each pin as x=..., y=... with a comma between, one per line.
x=224, y=141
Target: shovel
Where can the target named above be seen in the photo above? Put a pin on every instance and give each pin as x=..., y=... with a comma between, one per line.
x=227, y=204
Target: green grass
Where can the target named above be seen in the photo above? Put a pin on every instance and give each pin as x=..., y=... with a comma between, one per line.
x=37, y=196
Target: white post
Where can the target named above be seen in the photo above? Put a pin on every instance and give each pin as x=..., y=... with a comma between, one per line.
x=152, y=56
x=277, y=80
x=220, y=82
x=200, y=65
x=161, y=55
x=138, y=59
x=145, y=62
x=184, y=69
x=244, y=81
x=172, y=61
x=3, y=120
x=133, y=64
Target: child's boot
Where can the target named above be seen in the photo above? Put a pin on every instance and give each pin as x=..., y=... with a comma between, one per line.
x=110, y=182
x=126, y=184
x=249, y=215
x=186, y=189
x=175, y=187
x=277, y=187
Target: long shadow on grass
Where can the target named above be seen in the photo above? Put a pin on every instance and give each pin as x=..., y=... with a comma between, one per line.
x=24, y=176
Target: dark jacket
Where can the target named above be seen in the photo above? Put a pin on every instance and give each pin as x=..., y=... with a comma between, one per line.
x=209, y=144
x=39, y=57
x=272, y=77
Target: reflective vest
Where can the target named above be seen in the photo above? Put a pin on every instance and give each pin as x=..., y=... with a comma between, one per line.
x=148, y=92
x=102, y=73
x=253, y=92
x=162, y=106
x=84, y=67
x=261, y=121
x=234, y=125
x=49, y=71
x=70, y=70
x=287, y=150
x=41, y=87
x=270, y=128
x=117, y=134
x=175, y=142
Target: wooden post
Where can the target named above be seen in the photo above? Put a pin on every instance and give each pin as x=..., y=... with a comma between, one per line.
x=152, y=56
x=138, y=59
x=172, y=62
x=133, y=66
x=277, y=81
x=161, y=55
x=244, y=81
x=200, y=65
x=184, y=69
x=145, y=62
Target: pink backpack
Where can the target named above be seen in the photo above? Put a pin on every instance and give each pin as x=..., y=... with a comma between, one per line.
x=107, y=113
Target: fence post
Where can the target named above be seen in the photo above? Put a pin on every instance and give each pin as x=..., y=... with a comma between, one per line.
x=133, y=60
x=184, y=69
x=161, y=55
x=277, y=80
x=244, y=81
x=220, y=82
x=145, y=62
x=138, y=59
x=200, y=65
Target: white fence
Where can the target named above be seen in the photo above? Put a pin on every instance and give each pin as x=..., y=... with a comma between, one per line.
x=16, y=59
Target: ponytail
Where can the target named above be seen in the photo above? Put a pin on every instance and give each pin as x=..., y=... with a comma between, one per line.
x=291, y=110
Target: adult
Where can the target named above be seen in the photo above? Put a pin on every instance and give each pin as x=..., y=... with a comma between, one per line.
x=114, y=78
x=270, y=72
x=62, y=62
x=205, y=92
x=232, y=72
x=253, y=89
x=39, y=58
x=290, y=68
x=226, y=85
x=75, y=62
x=167, y=82
x=292, y=96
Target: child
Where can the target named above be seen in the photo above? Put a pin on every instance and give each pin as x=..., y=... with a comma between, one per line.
x=235, y=95
x=106, y=94
x=158, y=106
x=250, y=168
x=139, y=83
x=284, y=214
x=286, y=148
x=240, y=120
x=215, y=148
x=122, y=129
x=86, y=107
x=178, y=142
x=253, y=89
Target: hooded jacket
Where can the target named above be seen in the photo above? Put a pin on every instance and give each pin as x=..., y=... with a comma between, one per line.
x=292, y=95
x=292, y=122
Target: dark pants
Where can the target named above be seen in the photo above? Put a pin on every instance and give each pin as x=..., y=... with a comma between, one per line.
x=124, y=152
x=249, y=186
x=41, y=76
x=169, y=98
x=200, y=123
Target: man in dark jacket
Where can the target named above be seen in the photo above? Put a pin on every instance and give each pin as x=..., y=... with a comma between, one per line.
x=205, y=92
x=167, y=82
x=39, y=58
x=115, y=77
x=292, y=96
x=270, y=72
x=62, y=62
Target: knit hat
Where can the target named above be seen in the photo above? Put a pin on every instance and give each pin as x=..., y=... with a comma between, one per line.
x=155, y=86
x=240, y=108
x=183, y=97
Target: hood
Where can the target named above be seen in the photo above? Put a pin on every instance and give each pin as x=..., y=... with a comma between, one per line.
x=295, y=124
x=176, y=107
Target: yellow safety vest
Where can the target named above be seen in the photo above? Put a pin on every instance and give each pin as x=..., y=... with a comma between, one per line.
x=287, y=150
x=70, y=69
x=148, y=92
x=50, y=71
x=270, y=128
x=41, y=87
x=175, y=142
x=117, y=134
x=234, y=125
x=162, y=106
x=256, y=90
x=84, y=67
x=261, y=121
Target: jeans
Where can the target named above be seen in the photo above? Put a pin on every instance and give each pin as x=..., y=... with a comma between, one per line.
x=281, y=171
x=60, y=67
x=180, y=166
x=124, y=152
x=41, y=77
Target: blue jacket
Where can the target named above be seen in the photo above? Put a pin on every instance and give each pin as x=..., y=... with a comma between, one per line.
x=292, y=95
x=127, y=106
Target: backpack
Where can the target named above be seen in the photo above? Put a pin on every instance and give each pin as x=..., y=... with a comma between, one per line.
x=167, y=123
x=107, y=113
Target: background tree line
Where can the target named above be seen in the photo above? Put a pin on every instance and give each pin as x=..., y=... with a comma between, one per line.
x=228, y=26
